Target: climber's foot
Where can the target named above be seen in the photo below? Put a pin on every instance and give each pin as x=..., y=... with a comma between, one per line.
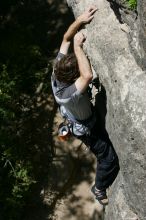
x=100, y=195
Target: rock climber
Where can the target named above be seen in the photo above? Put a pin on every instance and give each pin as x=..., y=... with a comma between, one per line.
x=70, y=79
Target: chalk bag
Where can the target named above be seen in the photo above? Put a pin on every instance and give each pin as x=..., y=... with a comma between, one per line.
x=63, y=131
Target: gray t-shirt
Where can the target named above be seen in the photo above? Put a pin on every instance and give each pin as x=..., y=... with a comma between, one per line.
x=75, y=104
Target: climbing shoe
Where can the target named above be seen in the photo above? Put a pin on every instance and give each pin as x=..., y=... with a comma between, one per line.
x=100, y=195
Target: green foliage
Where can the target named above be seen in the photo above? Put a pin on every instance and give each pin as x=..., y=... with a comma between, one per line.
x=6, y=88
x=22, y=67
x=17, y=176
x=14, y=192
x=132, y=4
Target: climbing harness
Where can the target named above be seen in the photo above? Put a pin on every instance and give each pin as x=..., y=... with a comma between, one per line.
x=73, y=126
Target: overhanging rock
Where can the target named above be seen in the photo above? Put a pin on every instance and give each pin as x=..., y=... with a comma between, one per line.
x=108, y=49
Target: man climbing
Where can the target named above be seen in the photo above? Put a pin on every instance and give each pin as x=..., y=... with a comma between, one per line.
x=71, y=77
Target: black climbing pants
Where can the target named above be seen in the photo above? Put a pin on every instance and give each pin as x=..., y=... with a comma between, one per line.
x=107, y=159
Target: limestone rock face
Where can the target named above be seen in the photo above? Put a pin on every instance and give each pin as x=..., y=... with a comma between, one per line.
x=123, y=76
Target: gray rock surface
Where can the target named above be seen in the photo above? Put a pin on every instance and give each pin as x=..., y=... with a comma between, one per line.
x=108, y=48
x=136, y=20
x=142, y=30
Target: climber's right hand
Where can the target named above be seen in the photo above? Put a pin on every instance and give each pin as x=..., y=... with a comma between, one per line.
x=88, y=15
x=79, y=38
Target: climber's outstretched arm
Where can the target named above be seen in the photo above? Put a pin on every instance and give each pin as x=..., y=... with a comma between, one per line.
x=84, y=65
x=84, y=18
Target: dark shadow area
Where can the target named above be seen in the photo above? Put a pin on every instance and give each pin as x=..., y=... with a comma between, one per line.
x=101, y=108
x=116, y=8
x=30, y=36
x=100, y=103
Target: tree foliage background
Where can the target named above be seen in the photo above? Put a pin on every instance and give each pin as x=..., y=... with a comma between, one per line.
x=30, y=33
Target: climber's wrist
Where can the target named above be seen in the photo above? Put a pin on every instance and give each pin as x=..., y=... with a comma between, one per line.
x=77, y=47
x=80, y=20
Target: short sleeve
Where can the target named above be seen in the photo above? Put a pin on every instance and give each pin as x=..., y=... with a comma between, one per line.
x=68, y=92
x=76, y=96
